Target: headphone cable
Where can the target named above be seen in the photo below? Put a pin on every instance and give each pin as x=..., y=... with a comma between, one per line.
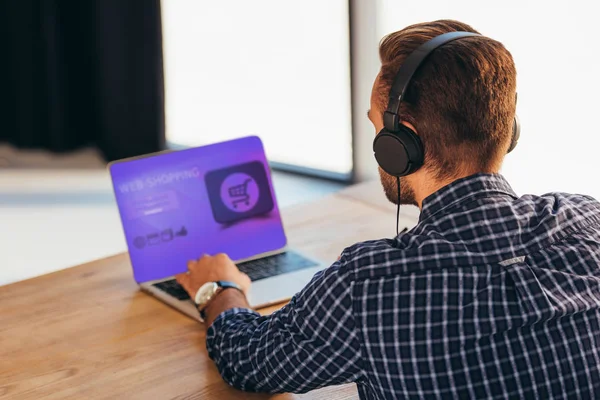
x=398, y=207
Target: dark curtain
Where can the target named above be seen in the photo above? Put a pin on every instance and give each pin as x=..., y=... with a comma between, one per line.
x=82, y=73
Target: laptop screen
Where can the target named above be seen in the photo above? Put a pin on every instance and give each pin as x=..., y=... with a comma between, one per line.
x=180, y=205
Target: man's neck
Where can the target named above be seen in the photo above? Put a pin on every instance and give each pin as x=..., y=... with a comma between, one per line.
x=425, y=185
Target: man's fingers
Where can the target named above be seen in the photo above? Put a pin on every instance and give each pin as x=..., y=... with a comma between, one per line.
x=222, y=257
x=182, y=279
x=191, y=264
x=194, y=263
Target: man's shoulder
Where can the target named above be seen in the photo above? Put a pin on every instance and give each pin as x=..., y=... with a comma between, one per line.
x=375, y=257
x=576, y=198
x=568, y=209
x=429, y=247
x=361, y=249
x=353, y=257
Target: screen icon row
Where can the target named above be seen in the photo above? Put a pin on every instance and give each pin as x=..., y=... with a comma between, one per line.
x=157, y=238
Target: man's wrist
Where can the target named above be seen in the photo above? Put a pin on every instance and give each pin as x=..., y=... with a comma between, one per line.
x=227, y=299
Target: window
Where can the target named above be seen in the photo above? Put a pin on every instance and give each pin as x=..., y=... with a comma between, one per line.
x=276, y=69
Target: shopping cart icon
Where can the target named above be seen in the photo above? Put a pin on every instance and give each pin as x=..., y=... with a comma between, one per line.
x=239, y=193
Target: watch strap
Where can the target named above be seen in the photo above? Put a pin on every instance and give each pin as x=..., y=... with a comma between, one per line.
x=228, y=285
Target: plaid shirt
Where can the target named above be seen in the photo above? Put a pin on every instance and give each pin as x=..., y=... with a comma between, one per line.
x=488, y=296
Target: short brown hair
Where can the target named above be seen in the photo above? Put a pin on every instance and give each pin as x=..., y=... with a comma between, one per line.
x=461, y=101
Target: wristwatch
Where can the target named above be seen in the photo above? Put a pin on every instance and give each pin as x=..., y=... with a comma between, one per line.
x=209, y=291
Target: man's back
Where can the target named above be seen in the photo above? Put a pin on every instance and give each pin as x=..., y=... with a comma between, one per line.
x=490, y=295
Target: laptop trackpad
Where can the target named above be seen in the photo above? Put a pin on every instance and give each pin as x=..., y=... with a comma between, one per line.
x=277, y=264
x=281, y=287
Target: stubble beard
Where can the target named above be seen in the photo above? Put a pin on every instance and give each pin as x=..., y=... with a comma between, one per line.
x=390, y=187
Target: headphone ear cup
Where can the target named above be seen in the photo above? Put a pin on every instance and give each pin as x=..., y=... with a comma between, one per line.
x=398, y=153
x=516, y=133
x=390, y=153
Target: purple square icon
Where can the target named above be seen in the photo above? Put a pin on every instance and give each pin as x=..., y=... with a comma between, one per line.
x=239, y=192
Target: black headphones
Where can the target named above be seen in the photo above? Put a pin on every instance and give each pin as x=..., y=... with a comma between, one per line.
x=398, y=149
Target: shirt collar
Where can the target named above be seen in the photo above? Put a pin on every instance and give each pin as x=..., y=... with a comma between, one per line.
x=478, y=185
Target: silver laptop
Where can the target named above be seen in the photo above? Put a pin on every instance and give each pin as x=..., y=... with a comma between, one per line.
x=219, y=198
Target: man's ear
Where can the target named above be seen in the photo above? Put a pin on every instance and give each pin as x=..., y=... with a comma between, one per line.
x=409, y=125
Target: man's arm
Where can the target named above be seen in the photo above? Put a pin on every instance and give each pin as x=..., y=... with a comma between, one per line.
x=225, y=301
x=311, y=342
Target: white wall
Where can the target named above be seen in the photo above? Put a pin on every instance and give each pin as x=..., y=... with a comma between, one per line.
x=555, y=48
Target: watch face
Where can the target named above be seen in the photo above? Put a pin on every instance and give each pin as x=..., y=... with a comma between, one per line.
x=205, y=292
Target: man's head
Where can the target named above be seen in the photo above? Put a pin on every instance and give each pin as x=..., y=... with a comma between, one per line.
x=461, y=103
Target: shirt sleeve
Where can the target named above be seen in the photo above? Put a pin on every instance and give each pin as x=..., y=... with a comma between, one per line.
x=309, y=343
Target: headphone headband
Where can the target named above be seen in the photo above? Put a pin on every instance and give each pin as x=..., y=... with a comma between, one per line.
x=391, y=119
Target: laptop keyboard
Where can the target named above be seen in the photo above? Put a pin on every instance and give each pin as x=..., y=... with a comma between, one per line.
x=275, y=265
x=256, y=269
x=173, y=288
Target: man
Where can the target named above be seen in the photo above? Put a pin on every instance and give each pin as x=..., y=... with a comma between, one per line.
x=491, y=295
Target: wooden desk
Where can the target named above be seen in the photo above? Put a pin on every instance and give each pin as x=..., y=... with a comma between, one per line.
x=88, y=332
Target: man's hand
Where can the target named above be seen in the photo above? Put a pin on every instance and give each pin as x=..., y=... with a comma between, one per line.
x=211, y=269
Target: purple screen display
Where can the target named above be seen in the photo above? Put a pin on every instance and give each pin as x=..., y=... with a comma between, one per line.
x=206, y=200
